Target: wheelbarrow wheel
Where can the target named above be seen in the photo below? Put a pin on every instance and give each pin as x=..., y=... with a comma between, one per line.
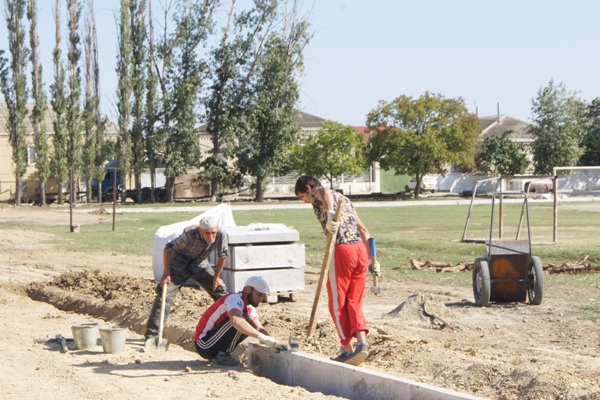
x=481, y=282
x=536, y=281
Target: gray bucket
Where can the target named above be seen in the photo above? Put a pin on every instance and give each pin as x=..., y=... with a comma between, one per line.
x=85, y=335
x=113, y=338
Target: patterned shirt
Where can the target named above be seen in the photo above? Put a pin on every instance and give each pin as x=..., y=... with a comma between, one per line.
x=190, y=249
x=219, y=311
x=348, y=231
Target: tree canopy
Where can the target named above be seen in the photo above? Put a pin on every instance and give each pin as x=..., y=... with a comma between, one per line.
x=422, y=136
x=269, y=123
x=335, y=150
x=591, y=138
x=500, y=155
x=14, y=88
x=559, y=122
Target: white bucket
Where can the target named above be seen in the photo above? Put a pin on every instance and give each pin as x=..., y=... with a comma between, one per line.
x=113, y=338
x=85, y=335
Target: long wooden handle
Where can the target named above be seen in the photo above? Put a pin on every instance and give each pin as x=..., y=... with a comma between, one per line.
x=324, y=268
x=161, y=325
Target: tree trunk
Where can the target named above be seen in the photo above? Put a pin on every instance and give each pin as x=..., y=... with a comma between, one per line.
x=61, y=198
x=259, y=189
x=152, y=185
x=18, y=189
x=169, y=186
x=88, y=189
x=42, y=189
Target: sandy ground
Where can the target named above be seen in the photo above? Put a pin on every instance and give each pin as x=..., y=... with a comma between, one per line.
x=431, y=334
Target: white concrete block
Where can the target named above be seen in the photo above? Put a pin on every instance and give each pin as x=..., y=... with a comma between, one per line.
x=317, y=374
x=279, y=279
x=261, y=233
x=266, y=256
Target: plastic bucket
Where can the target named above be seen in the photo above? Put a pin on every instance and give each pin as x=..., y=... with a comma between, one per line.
x=85, y=335
x=113, y=338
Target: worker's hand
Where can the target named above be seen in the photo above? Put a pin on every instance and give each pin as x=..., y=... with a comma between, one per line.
x=375, y=268
x=218, y=282
x=267, y=340
x=165, y=280
x=331, y=225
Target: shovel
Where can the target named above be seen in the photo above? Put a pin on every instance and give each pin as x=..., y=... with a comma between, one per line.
x=375, y=289
x=161, y=344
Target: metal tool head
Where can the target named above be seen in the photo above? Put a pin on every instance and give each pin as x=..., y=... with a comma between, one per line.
x=375, y=290
x=294, y=342
x=156, y=344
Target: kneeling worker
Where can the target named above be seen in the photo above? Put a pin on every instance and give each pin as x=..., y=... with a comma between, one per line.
x=230, y=320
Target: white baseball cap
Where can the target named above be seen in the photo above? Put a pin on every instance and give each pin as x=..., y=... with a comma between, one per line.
x=208, y=222
x=258, y=283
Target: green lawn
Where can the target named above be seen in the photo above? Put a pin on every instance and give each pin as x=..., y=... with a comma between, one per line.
x=425, y=232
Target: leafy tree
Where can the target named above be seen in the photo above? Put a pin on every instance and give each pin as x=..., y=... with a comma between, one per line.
x=73, y=115
x=124, y=92
x=233, y=63
x=422, y=136
x=193, y=24
x=163, y=60
x=559, y=123
x=38, y=114
x=335, y=150
x=59, y=106
x=270, y=124
x=90, y=119
x=154, y=140
x=102, y=153
x=591, y=138
x=500, y=155
x=14, y=89
x=137, y=10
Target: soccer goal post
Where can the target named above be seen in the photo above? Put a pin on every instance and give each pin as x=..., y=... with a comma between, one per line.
x=511, y=189
x=578, y=181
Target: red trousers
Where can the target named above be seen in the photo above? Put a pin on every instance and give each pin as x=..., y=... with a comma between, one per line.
x=346, y=288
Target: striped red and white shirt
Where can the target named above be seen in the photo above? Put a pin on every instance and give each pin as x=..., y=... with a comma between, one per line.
x=219, y=311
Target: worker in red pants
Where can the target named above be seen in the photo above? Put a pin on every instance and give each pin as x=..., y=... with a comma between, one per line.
x=348, y=271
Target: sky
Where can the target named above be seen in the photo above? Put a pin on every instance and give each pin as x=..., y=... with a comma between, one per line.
x=490, y=53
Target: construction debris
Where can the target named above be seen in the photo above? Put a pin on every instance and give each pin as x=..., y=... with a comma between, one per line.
x=440, y=266
x=583, y=266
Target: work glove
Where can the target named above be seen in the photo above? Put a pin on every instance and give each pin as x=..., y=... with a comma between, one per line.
x=375, y=268
x=267, y=340
x=331, y=225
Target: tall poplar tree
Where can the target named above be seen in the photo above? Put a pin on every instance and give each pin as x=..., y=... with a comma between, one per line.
x=102, y=147
x=73, y=115
x=14, y=88
x=154, y=140
x=59, y=165
x=193, y=24
x=38, y=115
x=137, y=10
x=270, y=123
x=124, y=93
x=232, y=65
x=90, y=149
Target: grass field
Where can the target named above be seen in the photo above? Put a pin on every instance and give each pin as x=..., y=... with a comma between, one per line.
x=425, y=232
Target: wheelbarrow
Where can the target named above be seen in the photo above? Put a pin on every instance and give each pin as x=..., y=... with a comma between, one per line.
x=509, y=272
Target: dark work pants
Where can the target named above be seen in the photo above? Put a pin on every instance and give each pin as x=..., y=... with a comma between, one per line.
x=224, y=337
x=204, y=278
